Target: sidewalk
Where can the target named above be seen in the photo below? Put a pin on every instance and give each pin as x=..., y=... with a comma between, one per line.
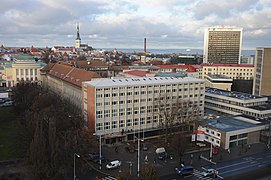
x=223, y=155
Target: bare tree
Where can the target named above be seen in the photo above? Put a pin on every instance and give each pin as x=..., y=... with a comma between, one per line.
x=174, y=113
x=148, y=172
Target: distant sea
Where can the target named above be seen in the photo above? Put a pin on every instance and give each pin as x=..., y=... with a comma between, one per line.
x=177, y=51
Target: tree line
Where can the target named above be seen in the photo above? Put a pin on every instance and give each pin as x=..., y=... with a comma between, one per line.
x=49, y=132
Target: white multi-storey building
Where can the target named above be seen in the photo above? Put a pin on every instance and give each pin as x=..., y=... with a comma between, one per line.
x=117, y=107
x=236, y=103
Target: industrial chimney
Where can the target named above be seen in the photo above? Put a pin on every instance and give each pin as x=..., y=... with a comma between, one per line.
x=145, y=45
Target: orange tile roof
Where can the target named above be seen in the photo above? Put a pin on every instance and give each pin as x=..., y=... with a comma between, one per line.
x=72, y=75
x=92, y=63
x=48, y=67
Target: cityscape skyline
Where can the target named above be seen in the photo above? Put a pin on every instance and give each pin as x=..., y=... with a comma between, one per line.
x=124, y=24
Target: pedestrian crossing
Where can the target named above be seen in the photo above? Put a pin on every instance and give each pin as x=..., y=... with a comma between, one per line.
x=199, y=175
x=108, y=178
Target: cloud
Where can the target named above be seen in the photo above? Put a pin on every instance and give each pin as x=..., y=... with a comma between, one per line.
x=124, y=23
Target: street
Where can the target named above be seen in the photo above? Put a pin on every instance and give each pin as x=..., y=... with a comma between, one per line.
x=230, y=166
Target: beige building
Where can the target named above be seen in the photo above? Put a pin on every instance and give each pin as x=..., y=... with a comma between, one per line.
x=233, y=71
x=218, y=81
x=118, y=107
x=222, y=45
x=23, y=68
x=262, y=80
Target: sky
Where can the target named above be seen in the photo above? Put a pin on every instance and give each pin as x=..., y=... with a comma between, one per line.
x=166, y=24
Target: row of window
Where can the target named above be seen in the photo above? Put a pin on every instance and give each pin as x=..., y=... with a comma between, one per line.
x=128, y=123
x=213, y=132
x=130, y=101
x=25, y=72
x=100, y=95
x=151, y=86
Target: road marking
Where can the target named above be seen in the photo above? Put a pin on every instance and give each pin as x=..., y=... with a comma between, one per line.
x=243, y=167
x=108, y=178
x=233, y=165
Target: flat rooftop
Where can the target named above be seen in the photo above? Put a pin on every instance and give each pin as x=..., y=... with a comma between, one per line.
x=232, y=94
x=106, y=82
x=218, y=76
x=230, y=123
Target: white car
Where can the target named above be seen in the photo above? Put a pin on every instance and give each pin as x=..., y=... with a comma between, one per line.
x=113, y=164
x=208, y=172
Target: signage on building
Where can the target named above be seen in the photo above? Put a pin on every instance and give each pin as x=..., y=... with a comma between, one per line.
x=201, y=134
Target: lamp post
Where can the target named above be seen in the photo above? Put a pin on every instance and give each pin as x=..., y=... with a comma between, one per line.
x=138, y=156
x=75, y=155
x=100, y=149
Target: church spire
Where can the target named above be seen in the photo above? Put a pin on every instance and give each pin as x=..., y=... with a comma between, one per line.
x=78, y=35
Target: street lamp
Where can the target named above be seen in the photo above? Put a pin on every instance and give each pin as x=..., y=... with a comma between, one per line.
x=100, y=149
x=75, y=155
x=138, y=156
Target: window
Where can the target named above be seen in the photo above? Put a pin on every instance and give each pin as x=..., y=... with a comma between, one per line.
x=114, y=102
x=99, y=114
x=114, y=94
x=129, y=101
x=106, y=103
x=98, y=104
x=107, y=125
x=121, y=112
x=114, y=124
x=106, y=113
x=107, y=95
x=114, y=112
x=142, y=110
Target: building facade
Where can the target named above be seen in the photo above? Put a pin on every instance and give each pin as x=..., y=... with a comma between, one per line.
x=236, y=103
x=222, y=45
x=233, y=71
x=23, y=68
x=66, y=81
x=230, y=131
x=117, y=107
x=262, y=82
x=218, y=81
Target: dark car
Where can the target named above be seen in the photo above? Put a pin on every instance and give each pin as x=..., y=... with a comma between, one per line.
x=145, y=147
x=95, y=157
x=163, y=156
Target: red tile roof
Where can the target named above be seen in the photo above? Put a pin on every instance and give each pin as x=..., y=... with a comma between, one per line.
x=188, y=68
x=71, y=75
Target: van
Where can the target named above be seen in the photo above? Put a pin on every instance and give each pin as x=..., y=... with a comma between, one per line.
x=185, y=170
x=160, y=150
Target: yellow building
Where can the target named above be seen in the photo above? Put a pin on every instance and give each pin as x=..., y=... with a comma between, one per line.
x=233, y=71
x=23, y=68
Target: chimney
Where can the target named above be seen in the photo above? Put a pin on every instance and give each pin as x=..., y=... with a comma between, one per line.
x=145, y=45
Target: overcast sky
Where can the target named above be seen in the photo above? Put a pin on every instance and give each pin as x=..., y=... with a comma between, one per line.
x=125, y=23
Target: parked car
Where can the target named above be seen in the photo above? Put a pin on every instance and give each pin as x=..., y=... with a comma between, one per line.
x=163, y=156
x=113, y=164
x=184, y=170
x=145, y=147
x=95, y=157
x=208, y=172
